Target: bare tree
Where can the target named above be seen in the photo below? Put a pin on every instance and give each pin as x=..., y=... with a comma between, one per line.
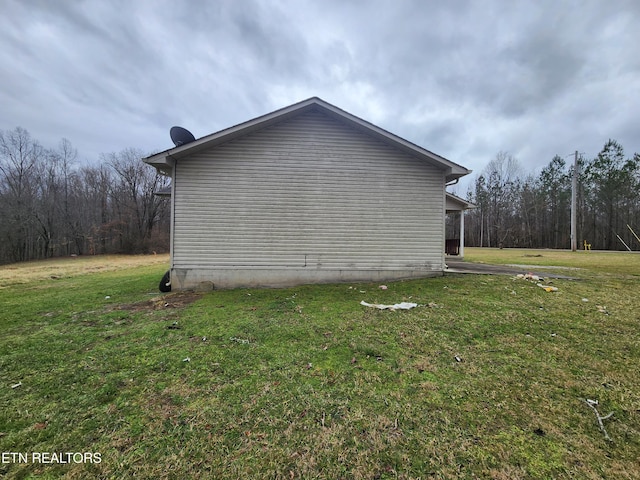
x=49, y=207
x=137, y=206
x=496, y=195
x=20, y=158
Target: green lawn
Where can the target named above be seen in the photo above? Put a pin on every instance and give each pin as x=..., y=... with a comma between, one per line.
x=487, y=378
x=592, y=261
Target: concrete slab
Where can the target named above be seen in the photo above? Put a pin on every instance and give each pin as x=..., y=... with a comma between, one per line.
x=460, y=266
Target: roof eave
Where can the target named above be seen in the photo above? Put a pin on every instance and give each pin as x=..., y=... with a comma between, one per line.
x=453, y=170
x=461, y=202
x=456, y=173
x=229, y=134
x=166, y=160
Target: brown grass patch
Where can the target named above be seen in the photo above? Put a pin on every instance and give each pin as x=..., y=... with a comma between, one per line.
x=57, y=268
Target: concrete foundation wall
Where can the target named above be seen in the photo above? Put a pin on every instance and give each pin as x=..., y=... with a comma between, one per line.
x=206, y=279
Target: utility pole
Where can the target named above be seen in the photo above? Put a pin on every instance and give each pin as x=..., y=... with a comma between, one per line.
x=574, y=202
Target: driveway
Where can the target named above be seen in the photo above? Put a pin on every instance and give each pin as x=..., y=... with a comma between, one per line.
x=457, y=265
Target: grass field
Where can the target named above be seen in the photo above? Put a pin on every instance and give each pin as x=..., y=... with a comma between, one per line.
x=618, y=263
x=487, y=378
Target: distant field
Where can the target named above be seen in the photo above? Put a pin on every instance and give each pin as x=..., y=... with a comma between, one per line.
x=56, y=268
x=627, y=263
x=487, y=378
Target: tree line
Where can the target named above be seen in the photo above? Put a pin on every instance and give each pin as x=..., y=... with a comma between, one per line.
x=50, y=206
x=514, y=209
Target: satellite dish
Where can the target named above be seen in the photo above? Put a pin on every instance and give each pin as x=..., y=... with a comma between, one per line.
x=181, y=136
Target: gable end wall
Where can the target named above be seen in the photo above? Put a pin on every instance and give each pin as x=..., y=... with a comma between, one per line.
x=307, y=200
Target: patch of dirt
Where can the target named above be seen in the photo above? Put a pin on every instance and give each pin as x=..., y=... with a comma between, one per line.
x=162, y=302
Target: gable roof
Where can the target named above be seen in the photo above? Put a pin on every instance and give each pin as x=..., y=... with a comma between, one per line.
x=457, y=204
x=165, y=160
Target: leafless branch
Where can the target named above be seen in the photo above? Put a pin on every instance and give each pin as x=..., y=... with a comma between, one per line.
x=592, y=404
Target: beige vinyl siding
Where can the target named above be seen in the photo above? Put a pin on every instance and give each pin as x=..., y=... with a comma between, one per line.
x=309, y=192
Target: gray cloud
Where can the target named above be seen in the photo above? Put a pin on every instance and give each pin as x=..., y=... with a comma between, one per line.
x=463, y=79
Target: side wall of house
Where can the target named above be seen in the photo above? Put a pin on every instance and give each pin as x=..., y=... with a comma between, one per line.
x=306, y=200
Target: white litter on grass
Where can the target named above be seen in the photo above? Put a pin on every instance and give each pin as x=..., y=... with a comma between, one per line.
x=397, y=306
x=19, y=384
x=529, y=276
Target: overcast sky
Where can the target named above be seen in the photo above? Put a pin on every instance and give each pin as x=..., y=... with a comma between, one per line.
x=464, y=79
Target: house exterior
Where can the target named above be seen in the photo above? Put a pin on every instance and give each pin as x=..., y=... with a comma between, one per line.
x=305, y=194
x=456, y=206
